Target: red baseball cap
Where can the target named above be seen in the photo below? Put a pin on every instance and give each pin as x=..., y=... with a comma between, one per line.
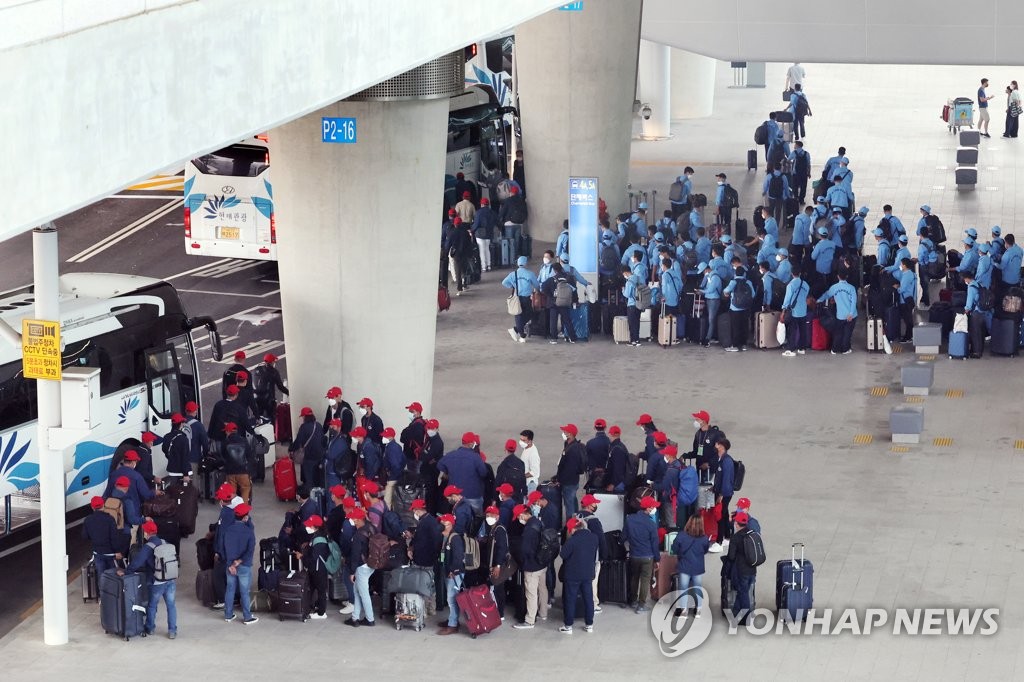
x=600, y=423
x=615, y=430
x=149, y=437
x=649, y=502
x=660, y=438
x=306, y=412
x=742, y=518
x=269, y=357
x=457, y=221
x=466, y=195
x=505, y=489
x=433, y=424
x=225, y=494
x=519, y=510
x=644, y=419
x=242, y=509
x=365, y=402
x=514, y=190
x=468, y=437
x=492, y=510
x=131, y=456
x=572, y=523
x=191, y=406
x=357, y=513
x=239, y=355
x=314, y=521
x=339, y=491
x=452, y=490
x=241, y=376
x=570, y=429
x=417, y=504
x=743, y=503
x=485, y=201
x=349, y=503
x=451, y=212
x=122, y=482
x=334, y=422
x=387, y=433
x=149, y=527
x=230, y=427
x=414, y=407
x=176, y=418
x=96, y=502
x=670, y=450
x=588, y=500
x=232, y=390
x=510, y=445
x=702, y=416
x=446, y=518
x=371, y=487
x=358, y=432
x=333, y=392
x=535, y=496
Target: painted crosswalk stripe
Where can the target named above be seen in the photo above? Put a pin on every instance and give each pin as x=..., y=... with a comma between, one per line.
x=224, y=268
x=125, y=232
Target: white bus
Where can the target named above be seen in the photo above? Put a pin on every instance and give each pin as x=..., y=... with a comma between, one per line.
x=229, y=203
x=136, y=332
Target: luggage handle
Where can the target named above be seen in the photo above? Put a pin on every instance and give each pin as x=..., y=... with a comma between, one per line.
x=797, y=568
x=291, y=570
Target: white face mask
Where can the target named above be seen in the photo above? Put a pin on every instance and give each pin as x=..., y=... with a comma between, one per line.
x=411, y=416
x=696, y=424
x=547, y=261
x=491, y=520
x=332, y=402
x=310, y=531
x=523, y=444
x=721, y=182
x=652, y=513
x=778, y=258
x=385, y=440
x=362, y=411
x=431, y=433
x=356, y=442
x=565, y=436
x=535, y=509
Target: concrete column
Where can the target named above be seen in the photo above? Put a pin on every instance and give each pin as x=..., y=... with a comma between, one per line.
x=693, y=85
x=577, y=82
x=358, y=253
x=655, y=82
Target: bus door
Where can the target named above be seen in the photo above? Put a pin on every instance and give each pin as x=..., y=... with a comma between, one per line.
x=163, y=379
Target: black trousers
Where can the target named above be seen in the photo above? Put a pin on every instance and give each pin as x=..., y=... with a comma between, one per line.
x=976, y=331
x=318, y=587
x=725, y=523
x=907, y=313
x=633, y=318
x=562, y=312
x=739, y=320
x=523, y=317
x=798, y=127
x=800, y=189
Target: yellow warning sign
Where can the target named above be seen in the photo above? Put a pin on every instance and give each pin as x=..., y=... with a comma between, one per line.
x=40, y=349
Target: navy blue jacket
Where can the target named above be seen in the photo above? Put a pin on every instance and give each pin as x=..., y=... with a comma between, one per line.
x=228, y=411
x=454, y=554
x=572, y=464
x=642, y=534
x=138, y=491
x=656, y=468
x=463, y=514
x=179, y=454
x=369, y=455
x=339, y=455
x=239, y=543
x=100, y=529
x=200, y=440
x=334, y=522
x=359, y=547
x=505, y=512
x=308, y=509
x=529, y=545
x=690, y=551
x=394, y=460
x=310, y=438
x=144, y=560
x=145, y=466
x=374, y=426
x=579, y=555
x=597, y=451
x=499, y=545
x=549, y=516
x=132, y=513
x=618, y=462
x=224, y=520
x=595, y=526
x=724, y=476
x=426, y=541
x=465, y=470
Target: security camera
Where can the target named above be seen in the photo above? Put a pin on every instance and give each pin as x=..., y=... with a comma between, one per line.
x=646, y=112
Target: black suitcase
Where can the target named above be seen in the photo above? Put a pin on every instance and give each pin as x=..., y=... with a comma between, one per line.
x=204, y=587
x=293, y=593
x=123, y=601
x=784, y=116
x=90, y=582
x=752, y=159
x=168, y=530
x=539, y=324
x=739, y=229
x=724, y=329
x=941, y=312
x=613, y=583
x=1005, y=335
x=187, y=496
x=258, y=467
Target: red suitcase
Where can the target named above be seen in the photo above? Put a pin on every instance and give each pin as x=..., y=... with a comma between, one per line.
x=820, y=338
x=284, y=479
x=711, y=517
x=283, y=423
x=478, y=606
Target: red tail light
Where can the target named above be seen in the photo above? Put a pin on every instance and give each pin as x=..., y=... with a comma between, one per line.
x=188, y=222
x=273, y=229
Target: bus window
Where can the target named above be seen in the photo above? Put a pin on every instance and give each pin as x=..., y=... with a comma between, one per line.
x=17, y=397
x=164, y=386
x=236, y=160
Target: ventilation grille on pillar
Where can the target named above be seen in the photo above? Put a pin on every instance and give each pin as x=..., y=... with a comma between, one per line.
x=442, y=77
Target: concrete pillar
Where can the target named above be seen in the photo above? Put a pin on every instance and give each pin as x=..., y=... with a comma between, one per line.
x=359, y=244
x=655, y=82
x=577, y=82
x=693, y=85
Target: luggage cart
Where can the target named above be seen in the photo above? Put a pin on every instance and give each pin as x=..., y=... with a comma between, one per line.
x=958, y=113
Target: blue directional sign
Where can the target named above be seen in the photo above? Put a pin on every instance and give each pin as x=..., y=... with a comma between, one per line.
x=583, y=224
x=572, y=6
x=339, y=130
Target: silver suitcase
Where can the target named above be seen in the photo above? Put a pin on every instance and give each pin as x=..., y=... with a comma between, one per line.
x=620, y=329
x=875, y=334
x=410, y=611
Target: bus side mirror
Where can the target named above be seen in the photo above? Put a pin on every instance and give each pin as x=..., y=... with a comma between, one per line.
x=214, y=335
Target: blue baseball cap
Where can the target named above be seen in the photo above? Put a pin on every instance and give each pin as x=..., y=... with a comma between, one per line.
x=863, y=210
x=983, y=248
x=823, y=231
x=926, y=208
x=522, y=260
x=878, y=232
x=996, y=230
x=608, y=237
x=968, y=241
x=659, y=237
x=971, y=231
x=726, y=239
x=820, y=200
x=642, y=206
x=701, y=267
x=783, y=252
x=903, y=239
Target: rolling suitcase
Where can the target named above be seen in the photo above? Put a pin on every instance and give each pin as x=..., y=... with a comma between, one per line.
x=580, y=317
x=293, y=593
x=123, y=601
x=620, y=329
x=724, y=329
x=966, y=176
x=477, y=606
x=765, y=327
x=90, y=582
x=168, y=530
x=187, y=497
x=752, y=159
x=336, y=590
x=941, y=312
x=284, y=479
x=410, y=611
x=957, y=345
x=645, y=325
x=506, y=252
x=794, y=586
x=283, y=423
x=875, y=334
x=663, y=580
x=1005, y=336
x=204, y=587
x=667, y=330
x=539, y=323
x=495, y=249
x=739, y=229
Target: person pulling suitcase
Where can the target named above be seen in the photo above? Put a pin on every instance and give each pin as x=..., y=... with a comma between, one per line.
x=159, y=561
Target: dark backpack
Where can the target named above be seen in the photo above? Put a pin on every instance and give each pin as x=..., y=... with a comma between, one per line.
x=675, y=193
x=391, y=525
x=690, y=259
x=761, y=134
x=778, y=293
x=802, y=107
x=609, y=260
x=885, y=225
x=936, y=231
x=753, y=548
x=730, y=197
x=378, y=550
x=235, y=453
x=563, y=293
x=801, y=166
x=550, y=544
x=776, y=187
x=739, y=472
x=699, y=200
x=742, y=296
x=261, y=380
x=986, y=299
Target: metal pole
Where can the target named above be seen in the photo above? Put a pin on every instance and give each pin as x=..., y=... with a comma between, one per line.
x=45, y=267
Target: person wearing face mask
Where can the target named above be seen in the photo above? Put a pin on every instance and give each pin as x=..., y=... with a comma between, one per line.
x=359, y=548
x=338, y=409
x=497, y=550
x=462, y=512
x=394, y=464
x=266, y=383
x=531, y=459
x=723, y=212
x=433, y=451
x=369, y=461
x=414, y=436
x=425, y=539
x=340, y=460
x=641, y=532
x=453, y=559
x=369, y=420
x=704, y=445
x=679, y=193
x=723, y=488
x=571, y=465
x=506, y=503
x=310, y=438
x=618, y=462
x=783, y=268
x=534, y=584
x=579, y=556
x=314, y=557
x=597, y=454
x=588, y=514
x=465, y=470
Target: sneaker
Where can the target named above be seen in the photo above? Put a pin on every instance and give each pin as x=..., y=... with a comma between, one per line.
x=458, y=293
x=715, y=548
x=368, y=623
x=565, y=629
x=523, y=626
x=522, y=339
x=642, y=609
x=631, y=605
x=588, y=628
x=698, y=615
x=512, y=333
x=725, y=543
x=553, y=342
x=250, y=620
x=743, y=349
x=833, y=352
x=847, y=351
x=317, y=616
x=788, y=354
x=572, y=340
x=682, y=614
x=544, y=618
x=597, y=609
x=228, y=620
x=801, y=352
x=172, y=635
x=219, y=605
x=732, y=349
x=352, y=622
x=346, y=609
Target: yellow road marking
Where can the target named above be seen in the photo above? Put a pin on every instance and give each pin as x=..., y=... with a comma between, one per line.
x=942, y=442
x=915, y=398
x=1018, y=445
x=863, y=439
x=879, y=391
x=954, y=393
x=925, y=357
x=172, y=182
x=899, y=448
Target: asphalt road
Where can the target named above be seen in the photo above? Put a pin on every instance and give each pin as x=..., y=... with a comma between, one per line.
x=142, y=233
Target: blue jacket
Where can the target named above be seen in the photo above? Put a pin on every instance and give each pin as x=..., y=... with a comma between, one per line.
x=796, y=297
x=902, y=253
x=845, y=297
x=394, y=460
x=579, y=555
x=100, y=529
x=597, y=451
x=690, y=552
x=132, y=513
x=369, y=455
x=908, y=286
x=712, y=288
x=884, y=254
x=528, y=546
x=823, y=253
x=802, y=230
x=696, y=222
x=239, y=543
x=200, y=440
x=629, y=289
x=771, y=226
x=769, y=249
x=337, y=450
x=739, y=281
x=562, y=245
x=973, y=297
x=687, y=188
x=926, y=252
x=310, y=438
x=641, y=533
x=837, y=196
x=454, y=554
x=484, y=222
x=1009, y=264
x=505, y=512
x=138, y=491
x=627, y=255
x=522, y=280
x=969, y=262
x=767, y=288
x=984, y=274
x=671, y=288
x=224, y=520
x=463, y=514
x=465, y=470
x=703, y=248
x=656, y=468
x=784, y=270
x=724, y=476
